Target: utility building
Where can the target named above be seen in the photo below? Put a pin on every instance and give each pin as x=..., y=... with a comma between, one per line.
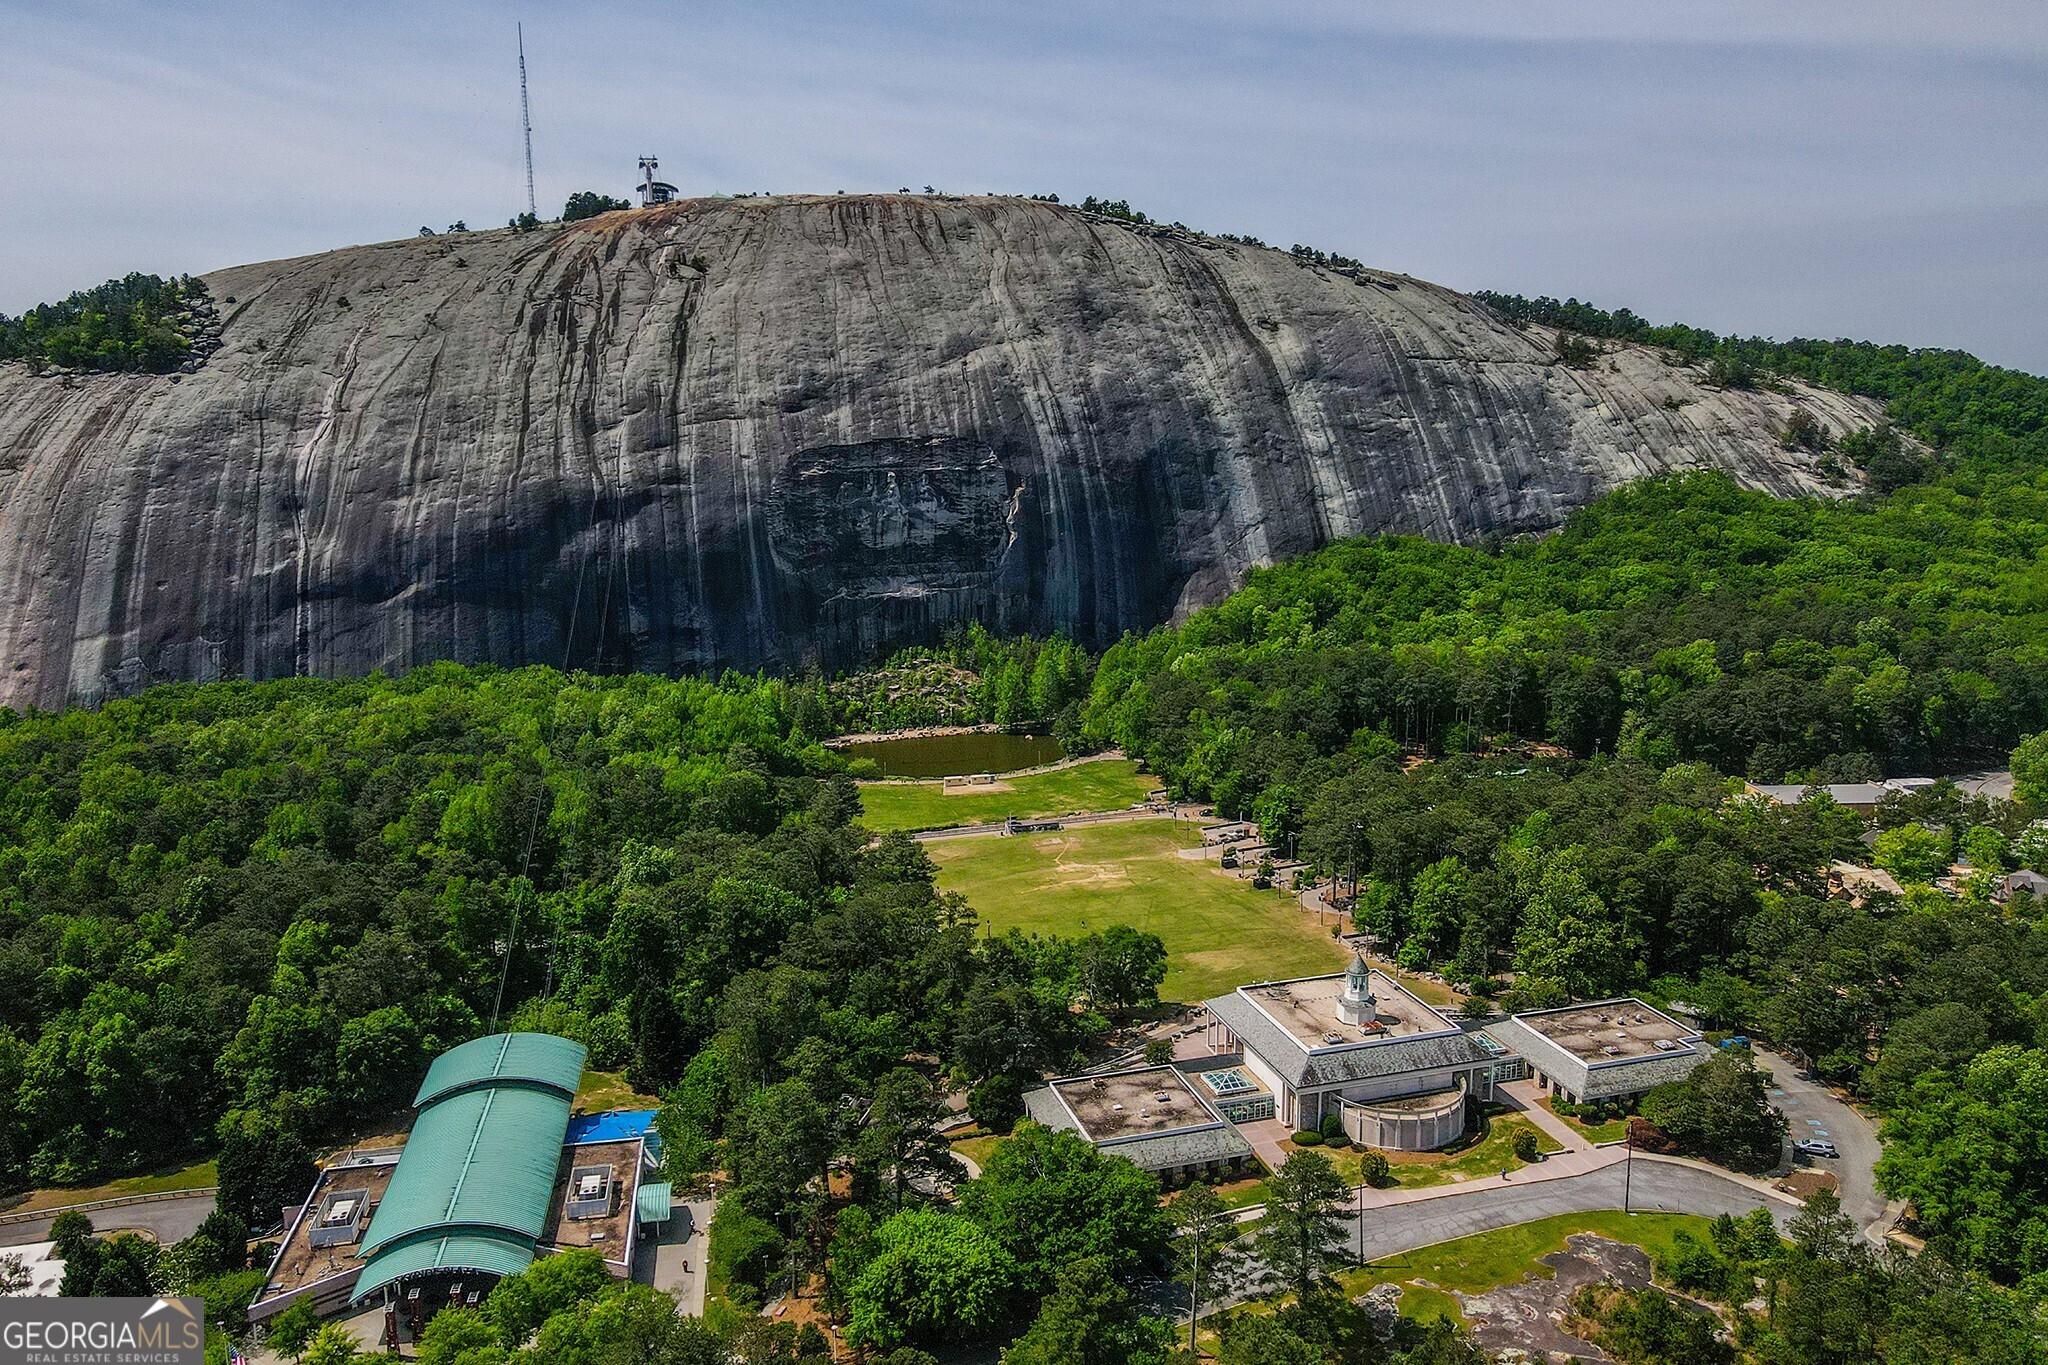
x=1606, y=1050
x=496, y=1172
x=1151, y=1117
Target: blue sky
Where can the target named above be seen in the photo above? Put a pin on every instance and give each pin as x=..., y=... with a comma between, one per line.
x=1874, y=168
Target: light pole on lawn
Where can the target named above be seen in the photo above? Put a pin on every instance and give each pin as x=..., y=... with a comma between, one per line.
x=1628, y=1166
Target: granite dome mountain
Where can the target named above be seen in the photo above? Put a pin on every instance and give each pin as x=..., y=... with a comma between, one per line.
x=788, y=430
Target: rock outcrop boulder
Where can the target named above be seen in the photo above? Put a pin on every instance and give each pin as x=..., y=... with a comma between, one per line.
x=786, y=431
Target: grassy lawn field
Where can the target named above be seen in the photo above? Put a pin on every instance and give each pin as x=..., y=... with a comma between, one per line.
x=1219, y=933
x=976, y=1145
x=198, y=1176
x=1490, y=1155
x=1473, y=1265
x=1107, y=784
x=601, y=1091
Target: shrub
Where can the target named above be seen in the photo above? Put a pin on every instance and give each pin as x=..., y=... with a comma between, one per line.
x=1729, y=372
x=1158, y=1052
x=1331, y=1127
x=1113, y=208
x=1308, y=1137
x=748, y=1250
x=997, y=1103
x=1574, y=352
x=1698, y=1268
x=1524, y=1145
x=588, y=204
x=294, y=1327
x=227, y=1297
x=1375, y=1170
x=1803, y=431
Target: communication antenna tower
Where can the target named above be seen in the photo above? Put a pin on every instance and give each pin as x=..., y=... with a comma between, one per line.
x=526, y=121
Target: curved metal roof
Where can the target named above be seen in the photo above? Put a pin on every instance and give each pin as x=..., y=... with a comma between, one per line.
x=479, y=1159
x=487, y=1253
x=529, y=1058
x=655, y=1202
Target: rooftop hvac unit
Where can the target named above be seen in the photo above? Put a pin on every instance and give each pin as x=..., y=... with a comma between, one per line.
x=1611, y=1051
x=590, y=1192
x=1164, y=1097
x=1666, y=1045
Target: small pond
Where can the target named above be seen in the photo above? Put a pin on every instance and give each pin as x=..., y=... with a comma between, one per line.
x=952, y=755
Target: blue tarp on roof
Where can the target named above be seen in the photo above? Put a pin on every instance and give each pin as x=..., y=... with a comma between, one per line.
x=619, y=1125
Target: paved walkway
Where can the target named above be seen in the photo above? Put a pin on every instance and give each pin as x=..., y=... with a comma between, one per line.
x=1265, y=1136
x=1526, y=1097
x=691, y=1250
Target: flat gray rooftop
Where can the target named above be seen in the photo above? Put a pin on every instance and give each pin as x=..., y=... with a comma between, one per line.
x=1609, y=1031
x=1133, y=1103
x=1307, y=1009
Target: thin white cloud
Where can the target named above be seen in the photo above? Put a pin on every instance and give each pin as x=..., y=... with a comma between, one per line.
x=1754, y=166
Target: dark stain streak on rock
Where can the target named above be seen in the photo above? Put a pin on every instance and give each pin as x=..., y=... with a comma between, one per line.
x=874, y=417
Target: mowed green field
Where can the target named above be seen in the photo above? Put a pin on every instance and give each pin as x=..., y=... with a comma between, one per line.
x=1219, y=933
x=1107, y=784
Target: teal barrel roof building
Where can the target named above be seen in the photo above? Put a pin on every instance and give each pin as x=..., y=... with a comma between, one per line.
x=473, y=1187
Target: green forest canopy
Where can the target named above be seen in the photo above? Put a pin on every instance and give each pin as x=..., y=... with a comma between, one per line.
x=136, y=323
x=244, y=915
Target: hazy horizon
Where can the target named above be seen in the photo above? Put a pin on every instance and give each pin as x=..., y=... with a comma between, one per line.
x=1825, y=172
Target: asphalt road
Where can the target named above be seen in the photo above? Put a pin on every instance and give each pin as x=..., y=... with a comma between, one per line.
x=167, y=1220
x=1654, y=1186
x=1812, y=1112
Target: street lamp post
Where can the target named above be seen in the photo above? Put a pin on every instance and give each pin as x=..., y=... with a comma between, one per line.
x=1628, y=1167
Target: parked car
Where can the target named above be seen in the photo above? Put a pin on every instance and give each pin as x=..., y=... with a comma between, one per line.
x=1815, y=1147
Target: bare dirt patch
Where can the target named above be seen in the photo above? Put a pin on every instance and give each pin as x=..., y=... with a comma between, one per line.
x=1806, y=1183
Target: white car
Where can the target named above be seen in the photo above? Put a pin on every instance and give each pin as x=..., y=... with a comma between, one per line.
x=1815, y=1147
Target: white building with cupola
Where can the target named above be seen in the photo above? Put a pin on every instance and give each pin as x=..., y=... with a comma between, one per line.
x=1356, y=1044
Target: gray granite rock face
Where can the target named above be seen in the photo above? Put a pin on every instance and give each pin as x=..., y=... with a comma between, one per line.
x=784, y=431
